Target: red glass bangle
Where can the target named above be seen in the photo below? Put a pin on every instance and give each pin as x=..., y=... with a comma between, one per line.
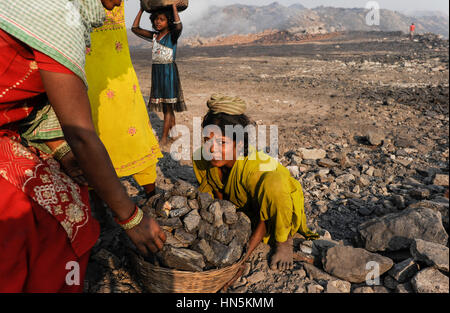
x=136, y=210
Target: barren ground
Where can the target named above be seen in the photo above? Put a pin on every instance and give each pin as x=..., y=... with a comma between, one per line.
x=323, y=95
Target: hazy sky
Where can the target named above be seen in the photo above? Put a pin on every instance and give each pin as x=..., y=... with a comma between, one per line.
x=198, y=6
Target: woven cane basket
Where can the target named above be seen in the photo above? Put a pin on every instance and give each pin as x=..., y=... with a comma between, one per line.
x=164, y=280
x=154, y=5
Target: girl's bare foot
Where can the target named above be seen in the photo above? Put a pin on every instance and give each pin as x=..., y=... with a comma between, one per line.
x=283, y=256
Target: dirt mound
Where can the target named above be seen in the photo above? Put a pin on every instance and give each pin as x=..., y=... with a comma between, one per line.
x=268, y=37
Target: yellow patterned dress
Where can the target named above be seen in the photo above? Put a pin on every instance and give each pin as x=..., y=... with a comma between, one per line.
x=118, y=108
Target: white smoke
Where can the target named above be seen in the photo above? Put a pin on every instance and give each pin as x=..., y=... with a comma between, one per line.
x=197, y=8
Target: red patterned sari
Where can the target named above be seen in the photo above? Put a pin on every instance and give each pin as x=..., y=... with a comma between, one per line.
x=45, y=219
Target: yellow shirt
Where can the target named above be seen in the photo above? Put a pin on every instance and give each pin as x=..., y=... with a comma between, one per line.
x=262, y=188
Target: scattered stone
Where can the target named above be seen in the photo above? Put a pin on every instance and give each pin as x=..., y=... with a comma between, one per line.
x=390, y=282
x=399, y=202
x=229, y=212
x=420, y=193
x=205, y=249
x=396, y=231
x=205, y=230
x=397, y=256
x=370, y=171
x=441, y=180
x=217, y=213
x=171, y=240
x=234, y=253
x=366, y=210
x=312, y=154
x=316, y=273
x=320, y=247
x=441, y=207
x=242, y=228
x=207, y=216
x=163, y=208
x=294, y=171
x=192, y=221
x=303, y=257
x=430, y=280
x=350, y=263
x=314, y=288
x=327, y=163
x=377, y=173
x=430, y=253
x=404, y=162
x=375, y=138
x=380, y=289
x=205, y=200
x=256, y=278
x=296, y=159
x=178, y=202
x=404, y=288
x=338, y=286
x=220, y=250
x=305, y=249
x=179, y=212
x=170, y=223
x=182, y=259
x=324, y=234
x=403, y=271
x=184, y=237
x=193, y=204
x=363, y=290
x=223, y=234
x=184, y=189
x=346, y=178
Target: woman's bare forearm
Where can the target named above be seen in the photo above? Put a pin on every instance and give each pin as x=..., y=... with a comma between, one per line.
x=68, y=96
x=99, y=171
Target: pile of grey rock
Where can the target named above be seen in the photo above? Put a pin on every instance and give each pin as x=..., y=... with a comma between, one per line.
x=405, y=252
x=202, y=233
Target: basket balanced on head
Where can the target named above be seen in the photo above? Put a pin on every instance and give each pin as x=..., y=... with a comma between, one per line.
x=154, y=5
x=205, y=242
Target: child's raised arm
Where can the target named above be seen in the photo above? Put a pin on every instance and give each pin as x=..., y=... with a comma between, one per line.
x=137, y=30
x=177, y=22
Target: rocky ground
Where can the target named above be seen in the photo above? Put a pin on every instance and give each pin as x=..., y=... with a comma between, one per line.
x=363, y=124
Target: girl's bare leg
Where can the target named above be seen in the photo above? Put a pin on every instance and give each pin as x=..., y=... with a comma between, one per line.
x=168, y=113
x=173, y=121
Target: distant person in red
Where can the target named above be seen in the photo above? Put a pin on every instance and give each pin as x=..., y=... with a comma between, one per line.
x=412, y=29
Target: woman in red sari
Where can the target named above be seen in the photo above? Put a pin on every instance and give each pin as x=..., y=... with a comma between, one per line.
x=46, y=228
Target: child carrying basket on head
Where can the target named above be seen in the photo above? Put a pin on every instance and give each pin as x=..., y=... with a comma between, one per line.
x=166, y=94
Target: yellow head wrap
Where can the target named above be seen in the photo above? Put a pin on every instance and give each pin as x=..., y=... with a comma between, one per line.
x=226, y=104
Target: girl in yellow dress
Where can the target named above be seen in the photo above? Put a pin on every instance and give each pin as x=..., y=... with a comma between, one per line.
x=118, y=108
x=256, y=183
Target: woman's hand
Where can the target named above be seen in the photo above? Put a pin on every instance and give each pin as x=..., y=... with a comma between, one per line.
x=147, y=235
x=70, y=166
